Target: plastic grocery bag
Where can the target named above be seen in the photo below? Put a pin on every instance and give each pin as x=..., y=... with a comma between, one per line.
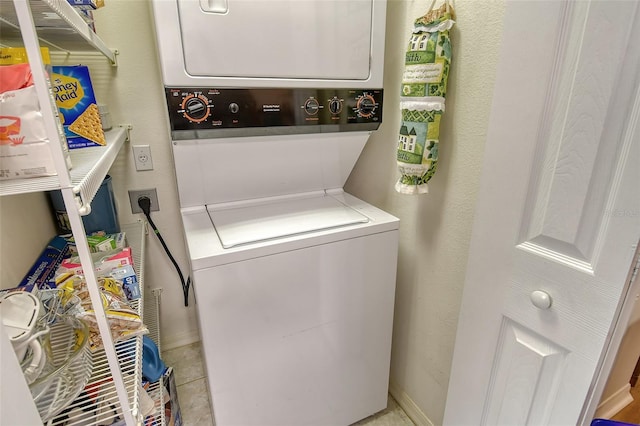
x=424, y=86
x=20, y=117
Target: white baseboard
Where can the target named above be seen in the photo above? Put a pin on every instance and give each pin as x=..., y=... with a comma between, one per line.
x=616, y=402
x=168, y=342
x=411, y=408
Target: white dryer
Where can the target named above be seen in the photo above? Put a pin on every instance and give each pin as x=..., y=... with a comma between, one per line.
x=270, y=104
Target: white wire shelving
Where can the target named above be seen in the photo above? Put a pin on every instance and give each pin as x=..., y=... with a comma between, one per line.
x=152, y=321
x=90, y=166
x=117, y=369
x=59, y=26
x=99, y=404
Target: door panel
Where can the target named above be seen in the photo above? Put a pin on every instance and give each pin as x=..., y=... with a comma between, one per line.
x=277, y=39
x=577, y=151
x=558, y=212
x=526, y=380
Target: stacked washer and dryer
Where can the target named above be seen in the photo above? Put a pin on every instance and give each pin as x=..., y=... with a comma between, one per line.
x=270, y=104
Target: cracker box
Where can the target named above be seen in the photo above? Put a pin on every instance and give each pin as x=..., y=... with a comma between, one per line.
x=77, y=104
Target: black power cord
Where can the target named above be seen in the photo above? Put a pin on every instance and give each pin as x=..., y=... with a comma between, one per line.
x=145, y=205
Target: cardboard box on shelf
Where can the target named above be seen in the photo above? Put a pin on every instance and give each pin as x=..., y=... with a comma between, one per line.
x=173, y=415
x=165, y=398
x=86, y=4
x=104, y=262
x=106, y=242
x=87, y=15
x=76, y=102
x=42, y=273
x=127, y=276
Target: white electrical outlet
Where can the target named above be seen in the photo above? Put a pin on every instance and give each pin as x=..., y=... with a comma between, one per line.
x=142, y=157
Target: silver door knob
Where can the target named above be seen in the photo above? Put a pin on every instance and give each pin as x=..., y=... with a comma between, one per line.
x=541, y=299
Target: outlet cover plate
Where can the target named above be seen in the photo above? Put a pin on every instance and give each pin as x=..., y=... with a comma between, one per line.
x=142, y=157
x=135, y=194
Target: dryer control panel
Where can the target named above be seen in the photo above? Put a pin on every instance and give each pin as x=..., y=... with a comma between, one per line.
x=299, y=110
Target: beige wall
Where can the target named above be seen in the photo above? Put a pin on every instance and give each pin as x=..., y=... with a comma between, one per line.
x=435, y=228
x=26, y=226
x=135, y=94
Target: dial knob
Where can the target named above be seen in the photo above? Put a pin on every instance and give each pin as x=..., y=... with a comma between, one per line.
x=311, y=106
x=366, y=106
x=335, y=106
x=234, y=108
x=195, y=108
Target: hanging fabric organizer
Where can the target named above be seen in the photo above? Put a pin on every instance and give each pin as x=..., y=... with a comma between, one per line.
x=422, y=99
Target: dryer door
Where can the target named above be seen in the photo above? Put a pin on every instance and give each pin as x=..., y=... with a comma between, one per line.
x=292, y=39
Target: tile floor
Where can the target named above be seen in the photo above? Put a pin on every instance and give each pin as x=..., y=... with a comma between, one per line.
x=194, y=400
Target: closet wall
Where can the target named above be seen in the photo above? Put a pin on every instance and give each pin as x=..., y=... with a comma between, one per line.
x=434, y=228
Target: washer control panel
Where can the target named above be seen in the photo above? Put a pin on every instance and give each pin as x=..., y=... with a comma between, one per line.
x=207, y=108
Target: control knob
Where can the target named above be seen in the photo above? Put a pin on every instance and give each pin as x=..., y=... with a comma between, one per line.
x=335, y=106
x=195, y=108
x=311, y=106
x=366, y=106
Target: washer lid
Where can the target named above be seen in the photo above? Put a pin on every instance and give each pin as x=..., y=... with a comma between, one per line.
x=280, y=218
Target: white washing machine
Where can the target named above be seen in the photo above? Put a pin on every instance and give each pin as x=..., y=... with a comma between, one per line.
x=270, y=104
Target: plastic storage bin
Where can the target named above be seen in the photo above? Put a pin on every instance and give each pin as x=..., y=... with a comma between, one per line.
x=607, y=422
x=103, y=216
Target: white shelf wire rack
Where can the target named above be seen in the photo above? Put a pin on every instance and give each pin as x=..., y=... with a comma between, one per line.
x=90, y=166
x=152, y=321
x=99, y=404
x=58, y=25
x=117, y=368
x=69, y=367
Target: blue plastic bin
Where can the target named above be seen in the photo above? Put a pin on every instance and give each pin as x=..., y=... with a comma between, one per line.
x=103, y=216
x=607, y=422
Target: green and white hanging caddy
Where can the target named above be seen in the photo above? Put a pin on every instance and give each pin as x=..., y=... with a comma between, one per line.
x=422, y=99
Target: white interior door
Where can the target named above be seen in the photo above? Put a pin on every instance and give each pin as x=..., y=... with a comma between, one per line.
x=558, y=215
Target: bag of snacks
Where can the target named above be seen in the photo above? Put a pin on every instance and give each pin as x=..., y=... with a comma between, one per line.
x=123, y=320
